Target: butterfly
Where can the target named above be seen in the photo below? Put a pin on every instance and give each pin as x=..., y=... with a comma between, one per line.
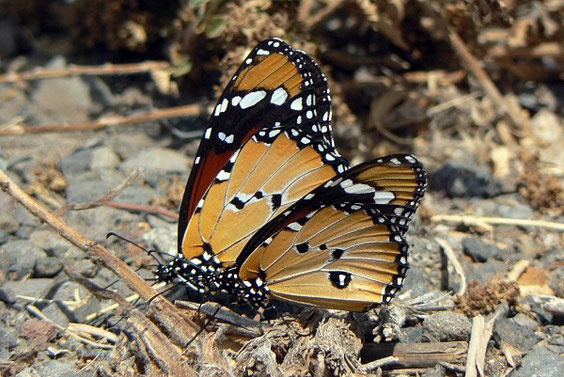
x=271, y=211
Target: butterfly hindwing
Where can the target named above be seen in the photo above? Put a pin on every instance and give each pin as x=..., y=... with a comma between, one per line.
x=275, y=85
x=342, y=245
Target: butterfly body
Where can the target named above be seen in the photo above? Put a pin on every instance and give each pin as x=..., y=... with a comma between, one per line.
x=272, y=211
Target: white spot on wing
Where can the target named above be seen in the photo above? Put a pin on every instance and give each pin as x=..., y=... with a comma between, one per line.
x=252, y=98
x=295, y=227
x=383, y=197
x=296, y=104
x=223, y=176
x=235, y=100
x=279, y=96
x=208, y=133
x=359, y=188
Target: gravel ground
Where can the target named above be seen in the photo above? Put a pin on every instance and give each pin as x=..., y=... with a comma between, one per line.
x=517, y=265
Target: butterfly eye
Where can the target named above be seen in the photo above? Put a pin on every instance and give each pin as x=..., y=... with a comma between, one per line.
x=272, y=211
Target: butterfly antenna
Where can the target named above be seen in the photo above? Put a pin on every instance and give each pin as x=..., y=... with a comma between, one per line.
x=110, y=234
x=202, y=329
x=149, y=252
x=175, y=285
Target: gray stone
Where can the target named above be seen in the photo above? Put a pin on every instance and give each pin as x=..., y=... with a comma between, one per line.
x=77, y=162
x=20, y=257
x=55, y=245
x=479, y=250
x=99, y=91
x=8, y=222
x=92, y=185
x=162, y=237
x=464, y=180
x=161, y=159
x=104, y=157
x=536, y=307
x=54, y=312
x=97, y=222
x=56, y=368
x=67, y=291
x=68, y=98
x=436, y=371
x=485, y=271
x=47, y=267
x=515, y=211
x=540, y=362
x=413, y=334
x=447, y=326
x=416, y=283
x=9, y=337
x=29, y=287
x=518, y=331
x=4, y=236
x=7, y=295
x=82, y=160
x=136, y=195
x=23, y=216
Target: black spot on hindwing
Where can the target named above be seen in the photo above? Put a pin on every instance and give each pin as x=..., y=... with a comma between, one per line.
x=340, y=279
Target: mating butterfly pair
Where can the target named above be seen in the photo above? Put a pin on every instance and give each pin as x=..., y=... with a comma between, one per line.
x=272, y=211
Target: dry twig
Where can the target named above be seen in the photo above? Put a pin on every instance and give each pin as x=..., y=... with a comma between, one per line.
x=157, y=210
x=513, y=112
x=415, y=355
x=84, y=70
x=156, y=344
x=172, y=112
x=160, y=309
x=104, y=199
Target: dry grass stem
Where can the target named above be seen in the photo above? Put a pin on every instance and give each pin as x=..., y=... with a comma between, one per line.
x=455, y=263
x=36, y=312
x=481, y=333
x=113, y=307
x=481, y=221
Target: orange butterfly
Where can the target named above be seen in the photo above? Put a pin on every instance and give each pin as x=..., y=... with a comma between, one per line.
x=272, y=211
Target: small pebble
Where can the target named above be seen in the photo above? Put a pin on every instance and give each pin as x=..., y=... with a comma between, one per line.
x=447, y=326
x=459, y=180
x=47, y=267
x=479, y=250
x=540, y=362
x=518, y=331
x=161, y=159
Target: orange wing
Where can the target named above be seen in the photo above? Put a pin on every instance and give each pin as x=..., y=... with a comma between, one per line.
x=342, y=245
x=276, y=86
x=271, y=172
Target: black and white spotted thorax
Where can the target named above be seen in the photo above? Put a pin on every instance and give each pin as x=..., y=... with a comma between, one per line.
x=206, y=275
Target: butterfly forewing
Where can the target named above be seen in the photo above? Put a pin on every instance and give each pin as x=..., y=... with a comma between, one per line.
x=276, y=87
x=260, y=181
x=342, y=245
